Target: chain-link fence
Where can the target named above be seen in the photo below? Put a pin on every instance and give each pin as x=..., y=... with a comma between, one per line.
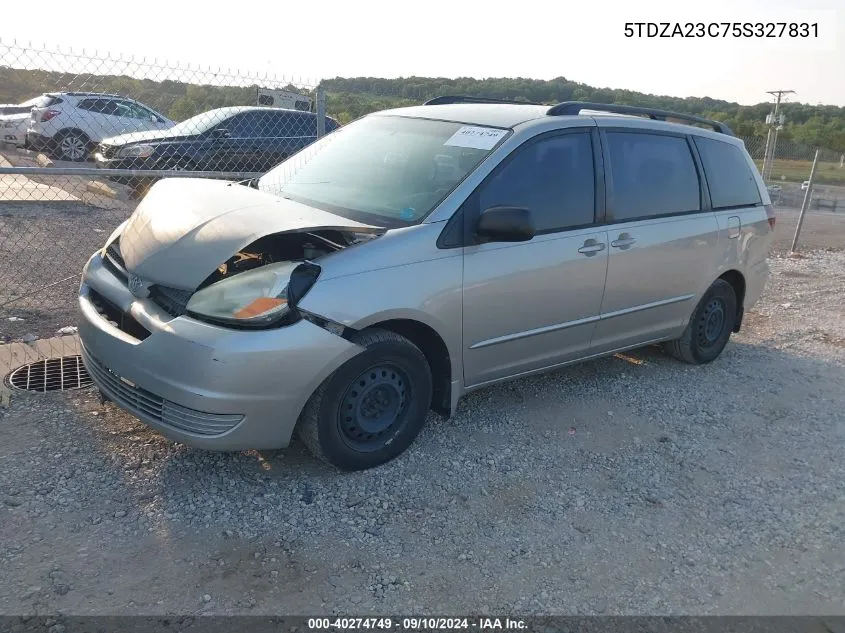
x=84, y=135
x=788, y=174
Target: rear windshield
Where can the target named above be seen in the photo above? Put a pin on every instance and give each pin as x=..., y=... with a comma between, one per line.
x=388, y=171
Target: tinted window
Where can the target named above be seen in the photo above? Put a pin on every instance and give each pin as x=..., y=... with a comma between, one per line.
x=110, y=107
x=554, y=178
x=304, y=125
x=246, y=125
x=100, y=106
x=652, y=175
x=270, y=124
x=132, y=110
x=93, y=105
x=729, y=177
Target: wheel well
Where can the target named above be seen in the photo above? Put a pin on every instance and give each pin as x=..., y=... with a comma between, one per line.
x=436, y=353
x=737, y=281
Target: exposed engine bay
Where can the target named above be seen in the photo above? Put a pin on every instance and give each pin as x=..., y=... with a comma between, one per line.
x=287, y=247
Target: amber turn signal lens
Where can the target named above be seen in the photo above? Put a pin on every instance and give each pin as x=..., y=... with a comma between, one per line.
x=258, y=307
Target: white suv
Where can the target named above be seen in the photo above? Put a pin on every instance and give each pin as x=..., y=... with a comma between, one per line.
x=70, y=124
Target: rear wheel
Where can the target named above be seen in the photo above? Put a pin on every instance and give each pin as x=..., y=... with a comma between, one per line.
x=373, y=407
x=73, y=145
x=709, y=328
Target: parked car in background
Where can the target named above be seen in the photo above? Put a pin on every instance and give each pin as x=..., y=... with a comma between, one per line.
x=13, y=128
x=415, y=255
x=70, y=124
x=232, y=139
x=23, y=108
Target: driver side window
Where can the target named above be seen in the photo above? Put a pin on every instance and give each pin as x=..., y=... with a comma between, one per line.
x=553, y=177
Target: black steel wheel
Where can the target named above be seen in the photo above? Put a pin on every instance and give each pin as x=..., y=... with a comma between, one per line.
x=372, y=407
x=709, y=327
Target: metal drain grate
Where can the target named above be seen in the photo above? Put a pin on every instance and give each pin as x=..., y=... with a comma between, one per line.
x=53, y=374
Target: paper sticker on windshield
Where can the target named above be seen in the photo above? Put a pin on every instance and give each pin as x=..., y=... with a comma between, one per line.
x=476, y=137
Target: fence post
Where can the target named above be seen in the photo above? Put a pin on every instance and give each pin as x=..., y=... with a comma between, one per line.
x=764, y=172
x=321, y=111
x=806, y=202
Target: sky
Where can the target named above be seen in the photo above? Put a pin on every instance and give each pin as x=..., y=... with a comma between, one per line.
x=583, y=42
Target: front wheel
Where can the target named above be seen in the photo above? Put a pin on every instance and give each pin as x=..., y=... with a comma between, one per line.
x=373, y=407
x=709, y=327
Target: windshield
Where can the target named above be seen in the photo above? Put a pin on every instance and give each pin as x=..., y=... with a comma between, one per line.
x=201, y=122
x=387, y=171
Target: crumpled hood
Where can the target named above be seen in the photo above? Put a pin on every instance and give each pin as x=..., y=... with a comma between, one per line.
x=184, y=228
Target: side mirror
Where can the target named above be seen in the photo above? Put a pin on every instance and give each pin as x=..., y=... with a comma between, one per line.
x=220, y=133
x=504, y=224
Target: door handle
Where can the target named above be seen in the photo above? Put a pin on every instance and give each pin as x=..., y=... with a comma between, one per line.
x=591, y=247
x=623, y=241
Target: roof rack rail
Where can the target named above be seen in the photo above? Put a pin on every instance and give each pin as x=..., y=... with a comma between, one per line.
x=575, y=107
x=447, y=99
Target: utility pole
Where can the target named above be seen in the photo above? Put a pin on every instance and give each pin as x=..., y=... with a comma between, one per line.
x=775, y=124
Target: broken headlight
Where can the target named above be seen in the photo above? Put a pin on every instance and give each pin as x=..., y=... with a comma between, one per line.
x=259, y=297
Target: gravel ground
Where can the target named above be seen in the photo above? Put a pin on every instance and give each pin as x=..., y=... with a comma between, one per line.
x=633, y=485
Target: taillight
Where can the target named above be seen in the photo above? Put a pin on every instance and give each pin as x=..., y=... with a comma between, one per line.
x=49, y=114
x=770, y=214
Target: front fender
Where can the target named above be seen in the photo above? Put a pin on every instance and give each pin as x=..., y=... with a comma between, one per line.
x=429, y=292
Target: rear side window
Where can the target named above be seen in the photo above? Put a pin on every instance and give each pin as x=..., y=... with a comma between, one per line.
x=729, y=177
x=93, y=105
x=245, y=125
x=302, y=124
x=553, y=178
x=653, y=175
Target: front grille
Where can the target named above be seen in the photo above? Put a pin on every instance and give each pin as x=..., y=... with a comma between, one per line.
x=114, y=261
x=146, y=404
x=171, y=300
x=117, y=317
x=113, y=253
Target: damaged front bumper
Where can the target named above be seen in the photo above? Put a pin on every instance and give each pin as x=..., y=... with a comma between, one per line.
x=200, y=384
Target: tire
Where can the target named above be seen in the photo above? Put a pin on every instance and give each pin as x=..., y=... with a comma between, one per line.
x=372, y=407
x=73, y=146
x=709, y=327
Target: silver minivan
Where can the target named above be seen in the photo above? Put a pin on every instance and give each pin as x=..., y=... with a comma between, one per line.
x=417, y=254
